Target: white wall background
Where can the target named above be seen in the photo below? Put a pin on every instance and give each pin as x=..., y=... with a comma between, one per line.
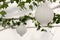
x=32, y=33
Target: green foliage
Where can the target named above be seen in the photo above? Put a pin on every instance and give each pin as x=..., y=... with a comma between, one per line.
x=31, y=7
x=37, y=24
x=22, y=19
x=14, y=24
x=44, y=30
x=3, y=13
x=25, y=18
x=52, y=0
x=49, y=25
x=2, y=0
x=12, y=1
x=38, y=27
x=38, y=0
x=0, y=19
x=58, y=21
x=21, y=4
x=17, y=1
x=4, y=5
x=35, y=4
x=18, y=23
x=5, y=22
x=56, y=18
x=28, y=1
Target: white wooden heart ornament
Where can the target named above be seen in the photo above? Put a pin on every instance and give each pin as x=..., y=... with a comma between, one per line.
x=44, y=14
x=21, y=30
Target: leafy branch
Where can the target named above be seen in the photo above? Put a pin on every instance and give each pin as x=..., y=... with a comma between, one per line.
x=23, y=19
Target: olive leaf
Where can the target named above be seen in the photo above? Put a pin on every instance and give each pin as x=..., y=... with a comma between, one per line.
x=35, y=4
x=21, y=4
x=5, y=5
x=58, y=21
x=18, y=23
x=2, y=0
x=52, y=0
x=44, y=30
x=3, y=13
x=12, y=1
x=38, y=0
x=38, y=27
x=0, y=19
x=28, y=1
x=31, y=7
x=4, y=22
x=17, y=1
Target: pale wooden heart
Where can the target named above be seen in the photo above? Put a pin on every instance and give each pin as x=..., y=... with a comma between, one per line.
x=21, y=30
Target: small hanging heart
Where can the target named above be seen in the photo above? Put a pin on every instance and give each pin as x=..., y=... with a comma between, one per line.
x=44, y=14
x=21, y=30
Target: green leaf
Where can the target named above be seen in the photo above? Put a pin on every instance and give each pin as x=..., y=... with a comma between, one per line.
x=51, y=1
x=14, y=24
x=0, y=19
x=31, y=7
x=36, y=24
x=4, y=5
x=3, y=13
x=12, y=1
x=28, y=1
x=35, y=4
x=18, y=23
x=54, y=0
x=58, y=21
x=24, y=23
x=21, y=4
x=44, y=30
x=8, y=23
x=2, y=0
x=17, y=1
x=54, y=18
x=38, y=0
x=38, y=27
x=4, y=22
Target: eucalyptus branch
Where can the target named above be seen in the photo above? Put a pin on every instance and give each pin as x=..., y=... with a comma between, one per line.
x=11, y=21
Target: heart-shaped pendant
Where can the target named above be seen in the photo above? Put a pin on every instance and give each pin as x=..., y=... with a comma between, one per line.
x=21, y=30
x=44, y=14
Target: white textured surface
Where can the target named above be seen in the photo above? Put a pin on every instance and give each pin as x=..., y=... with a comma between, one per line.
x=31, y=34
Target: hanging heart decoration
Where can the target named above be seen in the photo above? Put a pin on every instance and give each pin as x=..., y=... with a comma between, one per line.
x=21, y=30
x=44, y=14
